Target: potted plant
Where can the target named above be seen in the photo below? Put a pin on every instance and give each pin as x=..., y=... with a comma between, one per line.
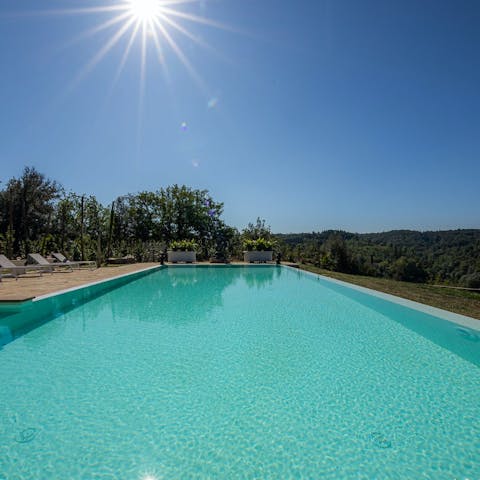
x=182, y=251
x=259, y=250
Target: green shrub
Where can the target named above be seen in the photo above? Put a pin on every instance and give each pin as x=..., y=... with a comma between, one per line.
x=471, y=280
x=183, y=246
x=261, y=244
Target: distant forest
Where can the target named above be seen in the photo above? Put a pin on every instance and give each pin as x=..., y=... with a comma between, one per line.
x=38, y=215
x=449, y=257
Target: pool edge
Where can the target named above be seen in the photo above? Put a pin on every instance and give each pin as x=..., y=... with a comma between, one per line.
x=457, y=318
x=91, y=284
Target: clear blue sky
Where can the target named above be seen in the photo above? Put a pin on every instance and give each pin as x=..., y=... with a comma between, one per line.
x=359, y=115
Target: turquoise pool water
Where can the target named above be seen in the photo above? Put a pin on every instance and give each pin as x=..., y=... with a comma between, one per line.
x=246, y=372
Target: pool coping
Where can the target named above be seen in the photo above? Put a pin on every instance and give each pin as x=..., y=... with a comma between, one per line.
x=456, y=318
x=91, y=284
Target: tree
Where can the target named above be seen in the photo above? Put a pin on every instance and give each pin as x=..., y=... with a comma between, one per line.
x=66, y=222
x=186, y=213
x=169, y=214
x=471, y=280
x=338, y=253
x=28, y=205
x=96, y=227
x=254, y=231
x=408, y=270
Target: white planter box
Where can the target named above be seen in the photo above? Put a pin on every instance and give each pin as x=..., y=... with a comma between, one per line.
x=258, y=256
x=179, y=256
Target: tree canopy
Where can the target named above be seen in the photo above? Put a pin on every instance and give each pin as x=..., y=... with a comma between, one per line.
x=38, y=215
x=444, y=257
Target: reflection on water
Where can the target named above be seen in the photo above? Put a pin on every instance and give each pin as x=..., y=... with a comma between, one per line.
x=184, y=295
x=159, y=293
x=18, y=319
x=261, y=277
x=180, y=295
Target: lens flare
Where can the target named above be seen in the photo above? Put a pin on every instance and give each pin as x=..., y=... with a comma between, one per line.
x=154, y=24
x=212, y=103
x=145, y=10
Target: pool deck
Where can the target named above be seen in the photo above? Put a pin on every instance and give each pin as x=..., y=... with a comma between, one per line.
x=33, y=285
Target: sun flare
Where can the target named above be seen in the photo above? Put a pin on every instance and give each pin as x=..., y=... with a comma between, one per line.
x=145, y=10
x=156, y=26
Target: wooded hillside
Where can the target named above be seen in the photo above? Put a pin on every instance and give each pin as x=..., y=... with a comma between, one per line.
x=451, y=256
x=38, y=215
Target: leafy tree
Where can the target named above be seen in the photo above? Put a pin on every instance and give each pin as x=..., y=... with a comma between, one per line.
x=338, y=253
x=438, y=257
x=254, y=231
x=66, y=222
x=170, y=214
x=37, y=215
x=408, y=270
x=96, y=228
x=226, y=242
x=27, y=207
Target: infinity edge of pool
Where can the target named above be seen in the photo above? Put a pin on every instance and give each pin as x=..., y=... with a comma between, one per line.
x=101, y=286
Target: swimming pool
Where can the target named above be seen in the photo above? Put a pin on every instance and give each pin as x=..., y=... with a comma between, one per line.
x=235, y=372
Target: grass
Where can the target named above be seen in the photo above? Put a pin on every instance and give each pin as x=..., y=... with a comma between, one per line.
x=458, y=301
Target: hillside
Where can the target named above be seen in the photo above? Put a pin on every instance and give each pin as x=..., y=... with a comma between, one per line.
x=446, y=257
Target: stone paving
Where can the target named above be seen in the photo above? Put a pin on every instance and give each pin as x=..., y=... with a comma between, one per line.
x=33, y=285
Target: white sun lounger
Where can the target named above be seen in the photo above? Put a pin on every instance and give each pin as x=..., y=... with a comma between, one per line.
x=65, y=261
x=7, y=267
x=37, y=259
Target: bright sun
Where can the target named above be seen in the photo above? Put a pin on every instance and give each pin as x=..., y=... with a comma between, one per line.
x=152, y=23
x=145, y=10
